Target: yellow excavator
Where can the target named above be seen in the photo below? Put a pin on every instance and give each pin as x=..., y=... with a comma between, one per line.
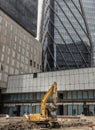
x=48, y=116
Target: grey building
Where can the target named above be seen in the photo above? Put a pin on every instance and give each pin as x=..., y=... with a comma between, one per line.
x=24, y=12
x=20, y=52
x=67, y=22
x=76, y=92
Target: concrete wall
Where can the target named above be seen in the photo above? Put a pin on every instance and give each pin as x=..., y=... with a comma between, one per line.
x=17, y=48
x=76, y=79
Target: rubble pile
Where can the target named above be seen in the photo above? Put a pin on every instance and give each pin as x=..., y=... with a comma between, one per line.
x=74, y=122
x=21, y=125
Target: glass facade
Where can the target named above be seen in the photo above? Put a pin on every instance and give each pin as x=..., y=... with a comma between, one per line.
x=76, y=92
x=75, y=79
x=22, y=12
x=70, y=32
x=30, y=103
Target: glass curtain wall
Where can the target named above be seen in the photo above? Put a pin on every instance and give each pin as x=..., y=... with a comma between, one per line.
x=68, y=34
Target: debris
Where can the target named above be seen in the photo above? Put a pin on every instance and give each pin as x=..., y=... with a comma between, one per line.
x=21, y=123
x=7, y=116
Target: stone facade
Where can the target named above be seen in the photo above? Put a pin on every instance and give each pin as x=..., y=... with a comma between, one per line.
x=20, y=52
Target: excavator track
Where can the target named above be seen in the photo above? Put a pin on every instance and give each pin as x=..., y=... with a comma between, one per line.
x=48, y=124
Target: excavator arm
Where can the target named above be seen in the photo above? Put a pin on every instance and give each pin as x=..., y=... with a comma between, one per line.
x=46, y=111
x=52, y=90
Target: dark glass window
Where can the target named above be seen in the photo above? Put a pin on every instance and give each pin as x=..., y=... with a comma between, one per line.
x=40, y=67
x=90, y=94
x=74, y=95
x=85, y=95
x=94, y=94
x=69, y=95
x=34, y=64
x=1, y=67
x=79, y=94
x=37, y=66
x=30, y=62
x=35, y=75
x=60, y=95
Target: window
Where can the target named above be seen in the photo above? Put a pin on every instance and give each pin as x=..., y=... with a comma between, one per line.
x=5, y=77
x=85, y=95
x=15, y=38
x=6, y=23
x=17, y=64
x=35, y=75
x=69, y=95
x=0, y=19
x=22, y=59
x=74, y=94
x=3, y=48
x=80, y=95
x=90, y=94
x=0, y=76
x=13, y=54
x=1, y=67
x=6, y=68
x=13, y=62
x=8, y=51
x=30, y=62
x=60, y=95
x=37, y=66
x=2, y=58
x=40, y=67
x=26, y=60
x=14, y=46
x=34, y=64
x=11, y=27
x=19, y=49
x=18, y=56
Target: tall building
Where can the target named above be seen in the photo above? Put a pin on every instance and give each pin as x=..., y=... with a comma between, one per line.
x=68, y=25
x=22, y=11
x=19, y=51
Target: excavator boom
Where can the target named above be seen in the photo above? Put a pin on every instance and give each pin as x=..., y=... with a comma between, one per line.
x=52, y=90
x=46, y=116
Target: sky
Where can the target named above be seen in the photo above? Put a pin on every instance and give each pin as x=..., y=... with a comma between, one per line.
x=40, y=2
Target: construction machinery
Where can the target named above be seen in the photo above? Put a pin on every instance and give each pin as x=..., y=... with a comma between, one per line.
x=48, y=116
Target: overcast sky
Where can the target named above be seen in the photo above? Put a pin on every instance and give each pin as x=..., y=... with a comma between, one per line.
x=40, y=2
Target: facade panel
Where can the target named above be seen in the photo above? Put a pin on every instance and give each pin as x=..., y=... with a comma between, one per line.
x=65, y=81
x=27, y=91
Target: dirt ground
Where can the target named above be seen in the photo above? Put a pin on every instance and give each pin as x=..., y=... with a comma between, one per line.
x=67, y=123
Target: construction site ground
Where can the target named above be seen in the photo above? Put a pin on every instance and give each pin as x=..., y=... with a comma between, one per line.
x=67, y=123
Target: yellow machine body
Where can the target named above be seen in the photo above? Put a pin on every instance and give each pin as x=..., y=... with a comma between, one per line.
x=45, y=115
x=38, y=118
